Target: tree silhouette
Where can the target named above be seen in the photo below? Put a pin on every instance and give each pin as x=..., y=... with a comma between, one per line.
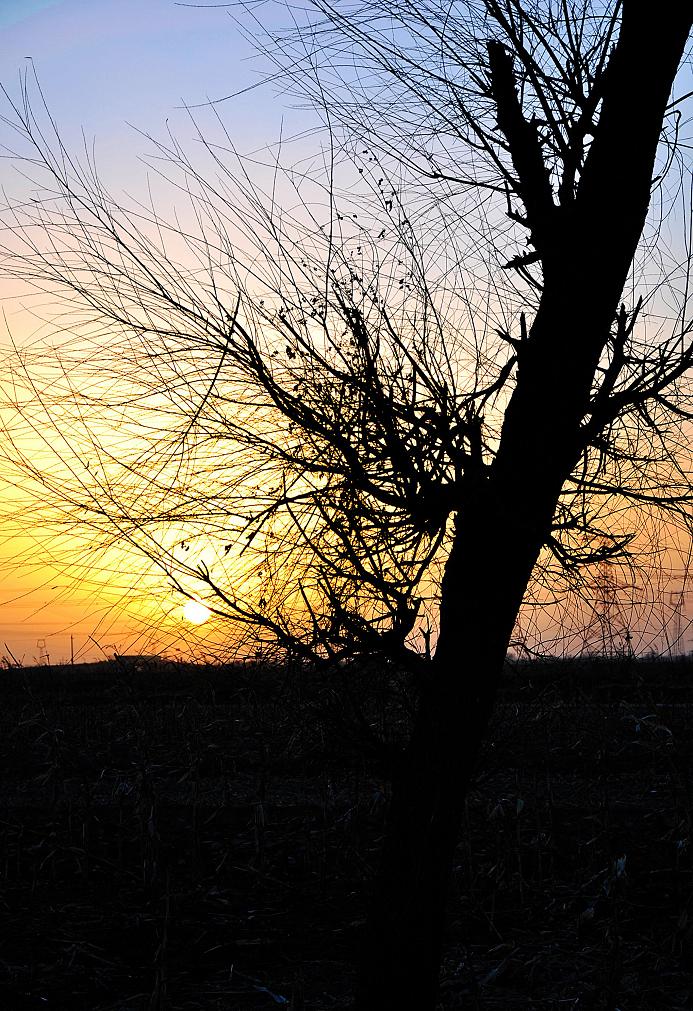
x=459, y=378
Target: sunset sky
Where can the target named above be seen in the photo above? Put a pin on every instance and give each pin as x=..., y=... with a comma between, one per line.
x=108, y=70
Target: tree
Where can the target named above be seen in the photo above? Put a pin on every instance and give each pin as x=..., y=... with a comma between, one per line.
x=393, y=415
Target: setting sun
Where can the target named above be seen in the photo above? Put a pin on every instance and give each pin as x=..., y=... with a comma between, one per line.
x=196, y=612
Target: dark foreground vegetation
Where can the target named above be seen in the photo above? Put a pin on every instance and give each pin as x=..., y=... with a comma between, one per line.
x=198, y=837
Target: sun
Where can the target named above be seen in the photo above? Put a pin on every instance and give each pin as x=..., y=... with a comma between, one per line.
x=195, y=612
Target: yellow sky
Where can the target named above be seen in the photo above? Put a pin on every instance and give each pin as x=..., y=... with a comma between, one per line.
x=106, y=70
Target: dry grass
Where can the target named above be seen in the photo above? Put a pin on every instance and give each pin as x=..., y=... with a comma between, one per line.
x=199, y=839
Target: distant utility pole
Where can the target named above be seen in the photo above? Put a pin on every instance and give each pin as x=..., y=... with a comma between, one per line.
x=676, y=646
x=44, y=656
x=609, y=629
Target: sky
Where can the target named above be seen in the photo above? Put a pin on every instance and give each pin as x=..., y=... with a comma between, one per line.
x=108, y=70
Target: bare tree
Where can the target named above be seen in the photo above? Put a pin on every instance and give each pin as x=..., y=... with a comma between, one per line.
x=431, y=393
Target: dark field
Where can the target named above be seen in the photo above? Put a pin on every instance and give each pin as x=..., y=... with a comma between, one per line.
x=203, y=838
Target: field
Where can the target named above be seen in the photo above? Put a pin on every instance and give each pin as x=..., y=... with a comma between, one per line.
x=202, y=838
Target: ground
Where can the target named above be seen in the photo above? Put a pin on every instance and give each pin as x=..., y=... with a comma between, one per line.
x=176, y=838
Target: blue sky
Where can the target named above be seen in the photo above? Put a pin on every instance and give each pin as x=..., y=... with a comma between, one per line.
x=14, y=11
x=105, y=64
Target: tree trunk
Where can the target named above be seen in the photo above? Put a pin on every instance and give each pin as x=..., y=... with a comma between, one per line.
x=402, y=948
x=403, y=938
x=505, y=518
